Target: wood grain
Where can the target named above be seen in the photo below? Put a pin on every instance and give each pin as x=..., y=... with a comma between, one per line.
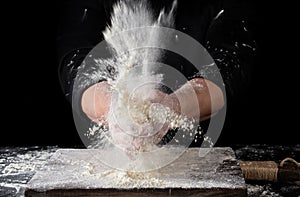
x=216, y=173
x=141, y=193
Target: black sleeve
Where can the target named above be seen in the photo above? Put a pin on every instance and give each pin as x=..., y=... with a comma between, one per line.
x=230, y=40
x=80, y=27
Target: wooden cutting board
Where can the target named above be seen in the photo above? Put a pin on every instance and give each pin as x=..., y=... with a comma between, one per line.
x=197, y=172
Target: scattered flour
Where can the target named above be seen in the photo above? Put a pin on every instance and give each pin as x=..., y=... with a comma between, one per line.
x=138, y=123
x=135, y=122
x=133, y=180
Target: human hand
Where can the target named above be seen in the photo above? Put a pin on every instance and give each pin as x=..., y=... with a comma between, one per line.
x=96, y=101
x=166, y=107
x=145, y=124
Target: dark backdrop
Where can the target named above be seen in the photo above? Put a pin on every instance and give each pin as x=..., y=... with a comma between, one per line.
x=35, y=112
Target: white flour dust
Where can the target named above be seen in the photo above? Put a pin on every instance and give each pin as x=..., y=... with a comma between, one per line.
x=136, y=120
x=133, y=180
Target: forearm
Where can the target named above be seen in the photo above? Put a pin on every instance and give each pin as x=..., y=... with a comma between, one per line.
x=95, y=101
x=198, y=98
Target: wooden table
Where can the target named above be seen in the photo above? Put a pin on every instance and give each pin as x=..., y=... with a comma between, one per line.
x=198, y=172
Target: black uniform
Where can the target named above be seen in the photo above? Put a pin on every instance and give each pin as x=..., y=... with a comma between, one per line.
x=224, y=27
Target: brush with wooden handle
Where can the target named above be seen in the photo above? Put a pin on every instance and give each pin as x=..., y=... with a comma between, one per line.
x=288, y=171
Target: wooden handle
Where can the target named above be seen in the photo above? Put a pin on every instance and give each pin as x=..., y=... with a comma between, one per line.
x=259, y=170
x=287, y=171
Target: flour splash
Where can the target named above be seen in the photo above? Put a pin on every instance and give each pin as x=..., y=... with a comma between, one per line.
x=137, y=120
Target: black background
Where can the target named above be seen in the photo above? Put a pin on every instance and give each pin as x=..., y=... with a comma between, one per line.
x=35, y=112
